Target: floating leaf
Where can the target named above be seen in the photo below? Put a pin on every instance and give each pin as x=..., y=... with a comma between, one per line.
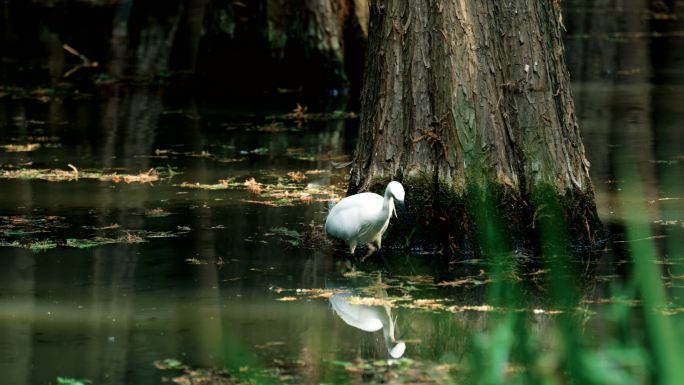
x=296, y=176
x=253, y=186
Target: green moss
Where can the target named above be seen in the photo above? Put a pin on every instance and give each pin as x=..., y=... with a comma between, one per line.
x=489, y=218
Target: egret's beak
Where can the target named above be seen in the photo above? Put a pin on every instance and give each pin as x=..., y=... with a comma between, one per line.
x=400, y=205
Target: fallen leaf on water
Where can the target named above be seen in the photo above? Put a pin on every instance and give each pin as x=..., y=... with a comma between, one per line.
x=296, y=176
x=253, y=186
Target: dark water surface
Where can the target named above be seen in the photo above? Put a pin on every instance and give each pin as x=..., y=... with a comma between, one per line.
x=100, y=279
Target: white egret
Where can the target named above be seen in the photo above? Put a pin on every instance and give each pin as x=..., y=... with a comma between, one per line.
x=362, y=218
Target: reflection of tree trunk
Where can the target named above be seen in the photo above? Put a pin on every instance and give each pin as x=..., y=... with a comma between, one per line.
x=133, y=120
x=667, y=55
x=156, y=40
x=19, y=281
x=620, y=110
x=119, y=40
x=18, y=276
x=55, y=52
x=142, y=38
x=189, y=36
x=590, y=54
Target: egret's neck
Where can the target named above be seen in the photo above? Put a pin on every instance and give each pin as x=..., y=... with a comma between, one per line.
x=388, y=204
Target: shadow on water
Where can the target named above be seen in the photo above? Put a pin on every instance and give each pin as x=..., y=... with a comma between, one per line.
x=212, y=264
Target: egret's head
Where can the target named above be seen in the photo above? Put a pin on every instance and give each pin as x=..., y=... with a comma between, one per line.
x=397, y=190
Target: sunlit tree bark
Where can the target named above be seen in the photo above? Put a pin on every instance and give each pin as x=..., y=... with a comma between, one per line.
x=463, y=94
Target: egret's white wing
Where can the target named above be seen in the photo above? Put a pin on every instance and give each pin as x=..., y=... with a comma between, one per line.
x=352, y=217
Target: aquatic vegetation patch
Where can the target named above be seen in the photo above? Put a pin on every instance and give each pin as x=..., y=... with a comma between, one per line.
x=72, y=381
x=293, y=237
x=41, y=245
x=73, y=174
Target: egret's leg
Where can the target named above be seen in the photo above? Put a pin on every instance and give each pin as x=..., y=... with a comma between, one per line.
x=371, y=250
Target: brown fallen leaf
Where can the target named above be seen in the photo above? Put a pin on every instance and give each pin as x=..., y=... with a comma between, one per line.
x=296, y=176
x=253, y=186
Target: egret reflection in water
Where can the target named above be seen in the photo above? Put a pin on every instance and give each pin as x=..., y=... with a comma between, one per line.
x=370, y=318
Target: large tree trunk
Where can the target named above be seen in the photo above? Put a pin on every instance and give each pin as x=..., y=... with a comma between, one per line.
x=468, y=95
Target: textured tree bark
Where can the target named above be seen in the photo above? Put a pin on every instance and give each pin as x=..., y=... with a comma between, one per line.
x=465, y=94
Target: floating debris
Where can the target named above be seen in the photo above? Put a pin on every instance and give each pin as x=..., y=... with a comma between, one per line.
x=469, y=281
x=480, y=308
x=123, y=237
x=223, y=184
x=218, y=261
x=109, y=227
x=21, y=147
x=57, y=175
x=157, y=213
x=277, y=194
x=426, y=304
x=547, y=312
x=20, y=226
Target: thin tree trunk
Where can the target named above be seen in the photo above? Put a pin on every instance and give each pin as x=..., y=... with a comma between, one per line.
x=462, y=94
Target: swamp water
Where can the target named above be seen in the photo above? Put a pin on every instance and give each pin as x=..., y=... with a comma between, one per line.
x=161, y=238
